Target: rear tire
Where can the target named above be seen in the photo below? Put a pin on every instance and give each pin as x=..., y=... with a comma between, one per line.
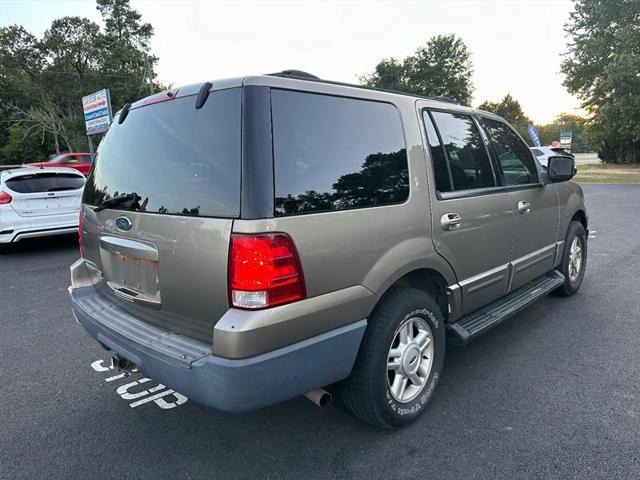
x=574, y=260
x=404, y=346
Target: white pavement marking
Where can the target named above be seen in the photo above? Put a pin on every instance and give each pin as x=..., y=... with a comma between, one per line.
x=143, y=396
x=161, y=402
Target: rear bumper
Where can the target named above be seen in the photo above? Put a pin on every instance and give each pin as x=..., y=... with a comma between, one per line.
x=15, y=227
x=22, y=233
x=188, y=366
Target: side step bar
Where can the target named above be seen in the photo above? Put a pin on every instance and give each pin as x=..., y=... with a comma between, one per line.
x=483, y=320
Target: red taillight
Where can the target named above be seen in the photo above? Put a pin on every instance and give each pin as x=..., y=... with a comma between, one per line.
x=264, y=271
x=5, y=198
x=80, y=221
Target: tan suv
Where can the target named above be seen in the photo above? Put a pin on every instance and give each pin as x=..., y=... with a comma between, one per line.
x=249, y=240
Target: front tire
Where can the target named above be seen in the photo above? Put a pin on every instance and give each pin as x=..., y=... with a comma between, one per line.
x=400, y=360
x=574, y=260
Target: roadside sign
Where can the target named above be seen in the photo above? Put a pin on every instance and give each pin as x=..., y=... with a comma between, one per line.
x=565, y=140
x=534, y=135
x=97, y=111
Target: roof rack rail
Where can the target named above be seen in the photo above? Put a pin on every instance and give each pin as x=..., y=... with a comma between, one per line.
x=294, y=74
x=442, y=98
x=307, y=76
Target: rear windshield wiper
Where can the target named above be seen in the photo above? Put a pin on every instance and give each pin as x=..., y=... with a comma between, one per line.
x=130, y=201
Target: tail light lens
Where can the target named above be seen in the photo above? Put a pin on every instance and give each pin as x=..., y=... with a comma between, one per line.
x=264, y=271
x=80, y=221
x=5, y=198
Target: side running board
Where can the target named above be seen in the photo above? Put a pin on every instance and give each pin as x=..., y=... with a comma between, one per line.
x=483, y=320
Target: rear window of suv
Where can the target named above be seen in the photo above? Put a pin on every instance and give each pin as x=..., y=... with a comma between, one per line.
x=177, y=159
x=45, y=182
x=334, y=153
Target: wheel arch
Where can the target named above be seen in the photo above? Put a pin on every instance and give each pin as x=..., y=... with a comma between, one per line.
x=428, y=280
x=580, y=216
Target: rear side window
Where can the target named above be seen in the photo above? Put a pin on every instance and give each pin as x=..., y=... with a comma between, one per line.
x=176, y=159
x=45, y=182
x=517, y=163
x=438, y=157
x=467, y=157
x=333, y=153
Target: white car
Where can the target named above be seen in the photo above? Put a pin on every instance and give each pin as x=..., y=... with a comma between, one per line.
x=36, y=202
x=544, y=153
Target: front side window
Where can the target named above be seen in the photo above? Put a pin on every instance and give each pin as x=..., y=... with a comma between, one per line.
x=468, y=161
x=517, y=163
x=334, y=153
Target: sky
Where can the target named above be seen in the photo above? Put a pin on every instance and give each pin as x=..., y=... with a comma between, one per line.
x=516, y=45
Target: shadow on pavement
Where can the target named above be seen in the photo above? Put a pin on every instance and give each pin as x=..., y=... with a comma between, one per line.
x=56, y=243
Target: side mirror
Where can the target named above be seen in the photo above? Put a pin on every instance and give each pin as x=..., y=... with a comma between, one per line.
x=561, y=168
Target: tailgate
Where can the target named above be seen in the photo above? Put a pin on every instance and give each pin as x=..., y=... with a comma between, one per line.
x=159, y=207
x=42, y=204
x=168, y=270
x=45, y=193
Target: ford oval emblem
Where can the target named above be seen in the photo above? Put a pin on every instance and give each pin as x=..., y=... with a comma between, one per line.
x=123, y=224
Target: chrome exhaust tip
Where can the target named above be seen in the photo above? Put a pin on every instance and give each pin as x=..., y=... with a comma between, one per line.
x=320, y=397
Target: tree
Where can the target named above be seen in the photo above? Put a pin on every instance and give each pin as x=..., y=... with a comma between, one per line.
x=126, y=43
x=72, y=44
x=511, y=110
x=601, y=67
x=442, y=67
x=579, y=126
x=42, y=80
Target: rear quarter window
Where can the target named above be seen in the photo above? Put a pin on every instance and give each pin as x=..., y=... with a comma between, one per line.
x=334, y=153
x=45, y=182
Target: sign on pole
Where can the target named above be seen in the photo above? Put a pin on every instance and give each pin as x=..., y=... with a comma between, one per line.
x=97, y=111
x=565, y=140
x=97, y=114
x=534, y=135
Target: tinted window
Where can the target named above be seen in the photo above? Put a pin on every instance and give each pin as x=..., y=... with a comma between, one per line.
x=45, y=182
x=335, y=153
x=537, y=153
x=85, y=158
x=517, y=163
x=177, y=159
x=468, y=160
x=440, y=168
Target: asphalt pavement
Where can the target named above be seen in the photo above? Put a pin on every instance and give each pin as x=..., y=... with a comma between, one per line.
x=553, y=393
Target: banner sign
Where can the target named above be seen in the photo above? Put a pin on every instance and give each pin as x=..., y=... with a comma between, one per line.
x=534, y=135
x=97, y=111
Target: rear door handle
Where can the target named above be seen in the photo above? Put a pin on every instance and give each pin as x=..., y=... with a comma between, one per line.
x=524, y=207
x=450, y=221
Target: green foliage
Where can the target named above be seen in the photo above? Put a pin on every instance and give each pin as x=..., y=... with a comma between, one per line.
x=42, y=80
x=579, y=126
x=511, y=110
x=601, y=68
x=442, y=67
x=21, y=148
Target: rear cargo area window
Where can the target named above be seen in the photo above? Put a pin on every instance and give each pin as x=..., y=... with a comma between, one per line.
x=333, y=153
x=45, y=182
x=175, y=158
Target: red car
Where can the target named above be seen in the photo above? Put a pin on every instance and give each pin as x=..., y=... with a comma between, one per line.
x=78, y=161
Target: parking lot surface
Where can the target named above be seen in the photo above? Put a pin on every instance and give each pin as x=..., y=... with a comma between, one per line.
x=553, y=393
